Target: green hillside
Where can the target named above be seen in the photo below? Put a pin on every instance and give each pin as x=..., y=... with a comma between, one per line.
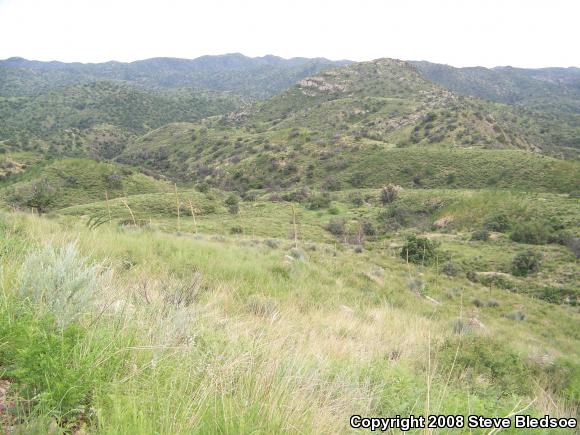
x=238, y=158
x=57, y=184
x=98, y=118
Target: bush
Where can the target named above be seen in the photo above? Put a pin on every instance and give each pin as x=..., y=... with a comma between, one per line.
x=41, y=196
x=368, y=229
x=533, y=233
x=55, y=370
x=419, y=250
x=233, y=204
x=525, y=263
x=331, y=183
x=389, y=194
x=299, y=195
x=485, y=358
x=451, y=269
x=53, y=362
x=236, y=230
x=516, y=315
x=357, y=179
x=318, y=201
x=480, y=235
x=356, y=199
x=114, y=180
x=272, y=243
x=477, y=302
x=297, y=254
x=498, y=223
x=336, y=227
x=58, y=282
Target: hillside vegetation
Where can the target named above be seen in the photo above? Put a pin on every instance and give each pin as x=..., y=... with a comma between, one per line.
x=256, y=77
x=366, y=241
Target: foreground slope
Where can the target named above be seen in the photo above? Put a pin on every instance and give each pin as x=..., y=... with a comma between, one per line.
x=153, y=332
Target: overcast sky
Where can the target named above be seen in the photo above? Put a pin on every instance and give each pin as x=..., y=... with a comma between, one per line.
x=526, y=33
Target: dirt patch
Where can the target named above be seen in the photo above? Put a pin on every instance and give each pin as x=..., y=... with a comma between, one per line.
x=6, y=407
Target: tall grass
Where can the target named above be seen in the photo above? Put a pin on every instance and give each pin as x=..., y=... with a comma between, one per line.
x=171, y=341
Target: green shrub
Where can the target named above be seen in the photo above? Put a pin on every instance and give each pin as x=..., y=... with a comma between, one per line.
x=516, y=315
x=419, y=250
x=356, y=199
x=450, y=269
x=533, y=233
x=525, y=263
x=318, y=201
x=336, y=227
x=498, y=222
x=389, y=194
x=236, y=229
x=368, y=229
x=480, y=235
x=477, y=302
x=233, y=204
x=333, y=210
x=483, y=358
x=41, y=196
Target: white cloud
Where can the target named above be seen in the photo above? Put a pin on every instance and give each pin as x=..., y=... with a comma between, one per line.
x=528, y=33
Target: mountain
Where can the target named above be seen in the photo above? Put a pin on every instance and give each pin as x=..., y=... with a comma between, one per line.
x=257, y=77
x=393, y=101
x=328, y=129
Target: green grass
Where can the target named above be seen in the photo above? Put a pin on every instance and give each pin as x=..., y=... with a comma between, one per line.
x=79, y=181
x=204, y=335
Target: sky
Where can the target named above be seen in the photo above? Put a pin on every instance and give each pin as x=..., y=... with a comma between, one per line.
x=524, y=33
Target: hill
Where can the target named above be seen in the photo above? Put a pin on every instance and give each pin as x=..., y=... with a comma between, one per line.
x=98, y=118
x=391, y=101
x=549, y=96
x=327, y=129
x=257, y=77
x=49, y=185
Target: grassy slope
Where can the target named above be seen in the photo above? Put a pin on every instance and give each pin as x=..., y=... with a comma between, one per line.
x=78, y=181
x=265, y=337
x=414, y=211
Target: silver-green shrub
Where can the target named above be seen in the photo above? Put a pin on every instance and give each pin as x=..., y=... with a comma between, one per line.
x=59, y=281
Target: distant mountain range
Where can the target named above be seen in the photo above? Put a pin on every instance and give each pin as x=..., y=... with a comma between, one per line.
x=554, y=88
x=257, y=77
